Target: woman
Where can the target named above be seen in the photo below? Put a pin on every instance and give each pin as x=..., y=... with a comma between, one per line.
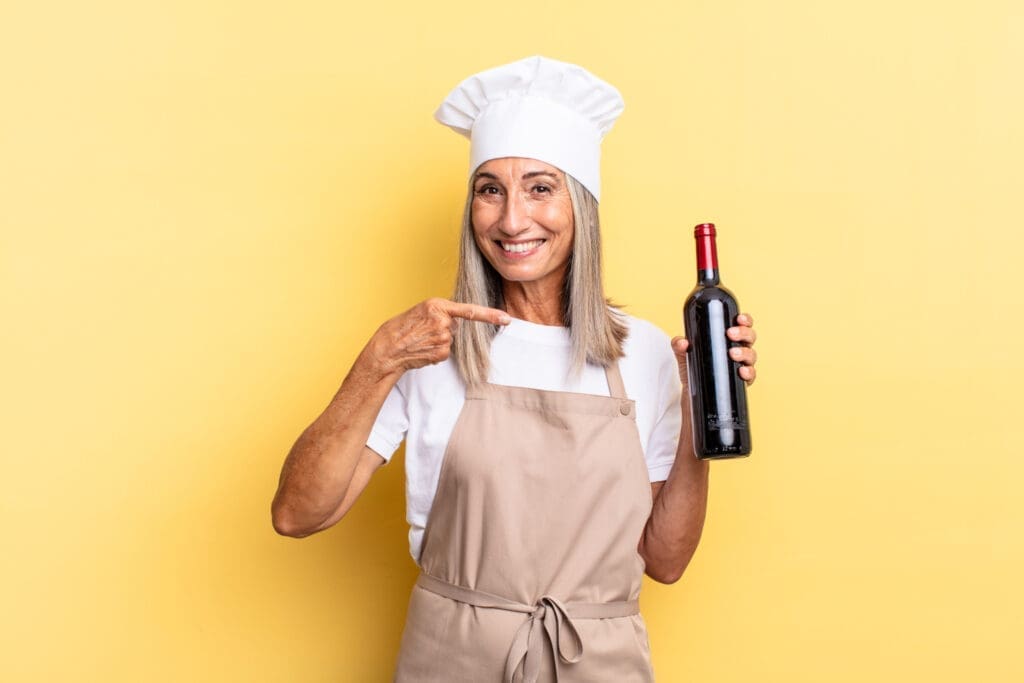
x=548, y=464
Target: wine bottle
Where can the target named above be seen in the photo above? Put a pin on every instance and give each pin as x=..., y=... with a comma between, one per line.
x=718, y=397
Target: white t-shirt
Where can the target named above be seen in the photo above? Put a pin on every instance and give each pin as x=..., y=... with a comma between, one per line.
x=424, y=404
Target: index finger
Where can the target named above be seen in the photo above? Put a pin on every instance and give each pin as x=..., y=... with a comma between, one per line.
x=475, y=312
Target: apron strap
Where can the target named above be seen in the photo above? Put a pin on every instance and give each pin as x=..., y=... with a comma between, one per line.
x=549, y=618
x=615, y=384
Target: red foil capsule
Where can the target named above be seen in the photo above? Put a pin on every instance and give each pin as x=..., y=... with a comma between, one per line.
x=707, y=253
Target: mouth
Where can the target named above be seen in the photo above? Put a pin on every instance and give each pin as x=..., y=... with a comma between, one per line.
x=518, y=250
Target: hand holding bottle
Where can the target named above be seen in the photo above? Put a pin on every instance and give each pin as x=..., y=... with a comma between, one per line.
x=744, y=333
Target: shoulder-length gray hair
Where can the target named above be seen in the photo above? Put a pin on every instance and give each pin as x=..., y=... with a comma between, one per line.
x=596, y=330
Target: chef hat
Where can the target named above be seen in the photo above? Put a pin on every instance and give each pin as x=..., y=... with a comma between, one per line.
x=537, y=108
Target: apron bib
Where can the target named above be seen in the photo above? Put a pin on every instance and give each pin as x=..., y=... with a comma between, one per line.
x=530, y=568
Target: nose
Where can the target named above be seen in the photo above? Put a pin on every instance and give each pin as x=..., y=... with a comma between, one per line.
x=515, y=219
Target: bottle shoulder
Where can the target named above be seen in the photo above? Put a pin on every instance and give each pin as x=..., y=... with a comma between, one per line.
x=708, y=293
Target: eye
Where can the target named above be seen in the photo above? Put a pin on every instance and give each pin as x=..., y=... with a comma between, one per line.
x=541, y=188
x=487, y=189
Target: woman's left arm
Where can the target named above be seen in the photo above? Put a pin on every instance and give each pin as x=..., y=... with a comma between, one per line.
x=680, y=503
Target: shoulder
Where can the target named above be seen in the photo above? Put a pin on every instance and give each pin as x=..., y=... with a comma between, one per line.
x=431, y=379
x=650, y=370
x=647, y=356
x=645, y=338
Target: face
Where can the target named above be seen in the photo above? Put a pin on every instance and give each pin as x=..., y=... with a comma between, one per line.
x=522, y=219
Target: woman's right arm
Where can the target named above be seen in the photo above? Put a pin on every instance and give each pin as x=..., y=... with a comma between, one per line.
x=329, y=465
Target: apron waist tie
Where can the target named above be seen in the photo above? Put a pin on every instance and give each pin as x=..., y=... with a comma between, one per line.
x=549, y=617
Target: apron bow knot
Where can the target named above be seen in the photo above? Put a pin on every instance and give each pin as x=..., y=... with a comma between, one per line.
x=549, y=618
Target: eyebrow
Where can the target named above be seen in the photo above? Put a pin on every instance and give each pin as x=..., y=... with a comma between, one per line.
x=526, y=176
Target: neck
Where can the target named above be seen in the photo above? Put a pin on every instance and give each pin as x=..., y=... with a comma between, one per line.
x=535, y=302
x=708, y=277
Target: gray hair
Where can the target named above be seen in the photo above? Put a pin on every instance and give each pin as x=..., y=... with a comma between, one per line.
x=597, y=331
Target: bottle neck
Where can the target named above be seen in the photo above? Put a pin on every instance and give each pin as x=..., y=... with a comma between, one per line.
x=708, y=277
x=707, y=260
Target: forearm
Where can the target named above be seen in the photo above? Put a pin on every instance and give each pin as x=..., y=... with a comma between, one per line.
x=677, y=517
x=319, y=468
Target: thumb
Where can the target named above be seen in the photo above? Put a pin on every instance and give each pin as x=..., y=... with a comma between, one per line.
x=680, y=345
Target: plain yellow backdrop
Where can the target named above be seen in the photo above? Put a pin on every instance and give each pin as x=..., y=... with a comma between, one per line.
x=208, y=207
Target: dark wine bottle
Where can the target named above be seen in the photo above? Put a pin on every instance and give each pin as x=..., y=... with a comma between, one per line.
x=718, y=396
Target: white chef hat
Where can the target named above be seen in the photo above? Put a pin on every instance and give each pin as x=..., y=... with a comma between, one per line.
x=537, y=108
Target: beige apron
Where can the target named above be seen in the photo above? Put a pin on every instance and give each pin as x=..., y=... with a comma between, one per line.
x=530, y=568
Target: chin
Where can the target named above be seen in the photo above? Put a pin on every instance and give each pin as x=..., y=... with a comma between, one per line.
x=516, y=275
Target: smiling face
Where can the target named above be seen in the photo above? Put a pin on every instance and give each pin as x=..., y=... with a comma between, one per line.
x=522, y=220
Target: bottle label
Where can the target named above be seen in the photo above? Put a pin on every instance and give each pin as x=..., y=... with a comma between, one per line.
x=725, y=421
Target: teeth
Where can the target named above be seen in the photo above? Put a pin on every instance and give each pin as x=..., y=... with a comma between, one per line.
x=520, y=247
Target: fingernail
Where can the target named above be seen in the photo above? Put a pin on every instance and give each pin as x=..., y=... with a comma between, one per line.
x=504, y=318
x=735, y=353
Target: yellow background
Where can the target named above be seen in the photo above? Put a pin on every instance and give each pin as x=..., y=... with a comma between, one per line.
x=208, y=207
